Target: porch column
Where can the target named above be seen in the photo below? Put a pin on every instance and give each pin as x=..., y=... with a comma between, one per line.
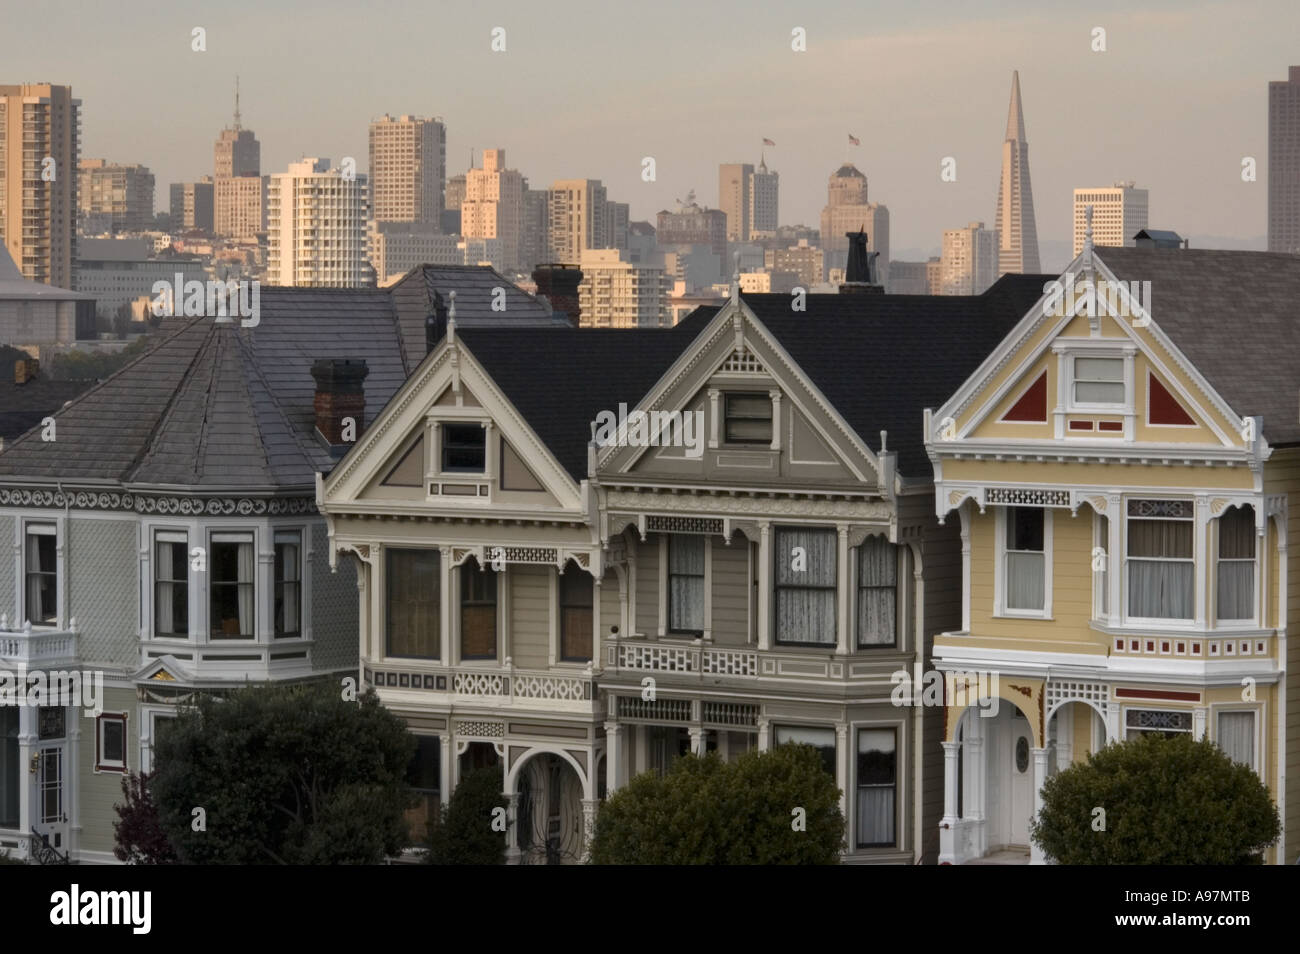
x=444, y=769
x=613, y=757
x=976, y=795
x=513, y=854
x=948, y=826
x=842, y=772
x=764, y=734
x=1036, y=856
x=26, y=776
x=444, y=605
x=764, y=585
x=588, y=827
x=698, y=740
x=842, y=590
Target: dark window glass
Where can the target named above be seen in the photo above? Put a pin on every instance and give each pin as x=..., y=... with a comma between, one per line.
x=464, y=448
x=10, y=770
x=478, y=612
x=171, y=614
x=413, y=581
x=576, y=593
x=877, y=787
x=42, y=590
x=748, y=418
x=231, y=568
x=288, y=583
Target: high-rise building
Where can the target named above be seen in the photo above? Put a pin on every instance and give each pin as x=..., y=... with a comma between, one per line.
x=408, y=167
x=617, y=293
x=316, y=227
x=120, y=195
x=1118, y=214
x=192, y=205
x=735, y=180
x=617, y=216
x=493, y=208
x=397, y=247
x=692, y=225
x=969, y=263
x=1284, y=163
x=537, y=228
x=237, y=152
x=578, y=211
x=1014, y=221
x=803, y=259
x=239, y=206
x=40, y=136
x=847, y=210
x=764, y=202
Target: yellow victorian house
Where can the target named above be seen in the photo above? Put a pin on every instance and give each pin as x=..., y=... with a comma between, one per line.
x=1120, y=467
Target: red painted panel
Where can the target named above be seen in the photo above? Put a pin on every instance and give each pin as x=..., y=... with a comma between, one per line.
x=1110, y=426
x=1081, y=425
x=1165, y=408
x=1032, y=406
x=1158, y=694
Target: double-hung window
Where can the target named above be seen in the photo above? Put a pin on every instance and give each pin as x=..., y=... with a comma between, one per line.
x=478, y=611
x=288, y=583
x=1099, y=382
x=231, y=566
x=747, y=418
x=576, y=597
x=1161, y=570
x=464, y=449
x=686, y=584
x=41, y=575
x=1024, y=560
x=805, y=586
x=877, y=787
x=413, y=581
x=877, y=592
x=1235, y=734
x=1236, y=569
x=823, y=740
x=171, y=589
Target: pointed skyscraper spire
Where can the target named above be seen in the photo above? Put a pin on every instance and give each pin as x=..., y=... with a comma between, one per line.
x=1014, y=220
x=237, y=126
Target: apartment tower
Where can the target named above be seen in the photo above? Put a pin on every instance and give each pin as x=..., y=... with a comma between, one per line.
x=408, y=169
x=316, y=227
x=1284, y=163
x=1118, y=214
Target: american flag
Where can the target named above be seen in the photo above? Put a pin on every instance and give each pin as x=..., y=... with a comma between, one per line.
x=854, y=140
x=768, y=142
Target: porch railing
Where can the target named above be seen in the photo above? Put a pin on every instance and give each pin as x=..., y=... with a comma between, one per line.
x=701, y=660
x=37, y=648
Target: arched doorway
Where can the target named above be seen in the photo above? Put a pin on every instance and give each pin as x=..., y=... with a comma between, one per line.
x=549, y=812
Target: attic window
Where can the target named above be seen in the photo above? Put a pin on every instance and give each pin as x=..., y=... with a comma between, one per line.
x=748, y=418
x=464, y=449
x=1099, y=381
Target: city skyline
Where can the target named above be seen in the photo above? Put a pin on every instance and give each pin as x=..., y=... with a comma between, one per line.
x=809, y=101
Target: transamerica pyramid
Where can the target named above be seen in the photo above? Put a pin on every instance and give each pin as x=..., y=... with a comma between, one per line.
x=1017, y=235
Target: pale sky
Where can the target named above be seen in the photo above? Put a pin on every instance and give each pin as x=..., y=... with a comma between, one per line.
x=590, y=88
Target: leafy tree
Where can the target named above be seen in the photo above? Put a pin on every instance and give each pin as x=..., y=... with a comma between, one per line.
x=284, y=774
x=78, y=365
x=464, y=833
x=138, y=835
x=764, y=808
x=1166, y=801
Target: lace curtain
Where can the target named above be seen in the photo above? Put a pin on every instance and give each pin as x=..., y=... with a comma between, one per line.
x=877, y=592
x=685, y=583
x=1236, y=736
x=805, y=586
x=1236, y=570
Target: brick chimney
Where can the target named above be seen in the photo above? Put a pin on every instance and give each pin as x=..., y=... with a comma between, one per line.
x=339, y=394
x=26, y=369
x=558, y=284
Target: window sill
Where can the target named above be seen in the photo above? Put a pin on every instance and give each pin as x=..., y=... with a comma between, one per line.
x=1041, y=617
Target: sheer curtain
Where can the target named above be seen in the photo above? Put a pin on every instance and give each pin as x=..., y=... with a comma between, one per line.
x=1236, y=735
x=805, y=597
x=877, y=778
x=1236, y=586
x=165, y=602
x=1026, y=561
x=289, y=593
x=1160, y=569
x=685, y=583
x=246, y=588
x=877, y=592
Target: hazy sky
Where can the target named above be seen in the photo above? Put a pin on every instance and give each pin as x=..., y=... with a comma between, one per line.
x=589, y=88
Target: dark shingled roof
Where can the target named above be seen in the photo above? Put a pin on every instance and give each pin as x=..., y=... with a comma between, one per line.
x=221, y=406
x=474, y=287
x=1236, y=316
x=879, y=359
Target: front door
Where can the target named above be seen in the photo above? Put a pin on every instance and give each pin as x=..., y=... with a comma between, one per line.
x=49, y=792
x=1022, y=779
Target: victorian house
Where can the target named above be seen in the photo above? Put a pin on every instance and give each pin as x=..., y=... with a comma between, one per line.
x=1120, y=468
x=584, y=553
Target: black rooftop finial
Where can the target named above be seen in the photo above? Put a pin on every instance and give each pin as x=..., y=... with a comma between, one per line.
x=861, y=266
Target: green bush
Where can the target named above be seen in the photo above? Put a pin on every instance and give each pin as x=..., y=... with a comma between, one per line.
x=1167, y=801
x=464, y=833
x=764, y=808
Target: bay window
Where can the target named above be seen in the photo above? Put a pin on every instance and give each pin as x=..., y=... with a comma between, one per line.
x=413, y=581
x=231, y=566
x=478, y=611
x=877, y=787
x=686, y=584
x=1024, y=560
x=805, y=586
x=288, y=583
x=171, y=588
x=1161, y=570
x=41, y=566
x=1236, y=566
x=877, y=592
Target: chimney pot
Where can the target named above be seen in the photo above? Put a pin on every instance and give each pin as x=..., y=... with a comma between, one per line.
x=340, y=394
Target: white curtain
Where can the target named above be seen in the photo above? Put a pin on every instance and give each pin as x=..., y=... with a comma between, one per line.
x=877, y=592
x=1026, y=574
x=1236, y=736
x=685, y=583
x=805, y=595
x=1236, y=577
x=875, y=814
x=41, y=586
x=165, y=603
x=1161, y=578
x=246, y=589
x=877, y=778
x=289, y=593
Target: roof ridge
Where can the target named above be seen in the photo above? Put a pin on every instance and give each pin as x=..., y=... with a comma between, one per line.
x=245, y=345
x=142, y=454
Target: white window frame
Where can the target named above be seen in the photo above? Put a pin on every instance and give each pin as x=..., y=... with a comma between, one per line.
x=248, y=535
x=1101, y=578
x=103, y=766
x=155, y=536
x=1124, y=726
x=1074, y=405
x=1252, y=621
x=40, y=527
x=1159, y=622
x=1257, y=711
x=1000, y=571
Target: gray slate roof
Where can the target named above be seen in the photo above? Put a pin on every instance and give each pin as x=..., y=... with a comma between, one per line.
x=1236, y=316
x=218, y=406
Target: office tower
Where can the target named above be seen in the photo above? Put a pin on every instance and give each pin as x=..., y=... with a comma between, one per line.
x=493, y=207
x=969, y=263
x=847, y=210
x=316, y=227
x=1284, y=163
x=578, y=211
x=764, y=200
x=692, y=225
x=536, y=231
x=38, y=213
x=408, y=166
x=192, y=205
x=237, y=151
x=239, y=206
x=735, y=179
x=118, y=198
x=617, y=215
x=617, y=293
x=1014, y=222
x=805, y=260
x=395, y=248
x=1118, y=214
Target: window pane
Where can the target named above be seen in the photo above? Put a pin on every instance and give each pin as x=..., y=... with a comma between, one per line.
x=42, y=591
x=686, y=583
x=1237, y=534
x=1236, y=589
x=1236, y=736
x=230, y=565
x=821, y=739
x=1160, y=539
x=10, y=771
x=464, y=448
x=413, y=582
x=1096, y=392
x=576, y=619
x=877, y=779
x=1160, y=590
x=1025, y=529
x=114, y=741
x=815, y=565
x=1026, y=574
x=288, y=574
x=877, y=592
x=171, y=589
x=805, y=616
x=1099, y=369
x=478, y=612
